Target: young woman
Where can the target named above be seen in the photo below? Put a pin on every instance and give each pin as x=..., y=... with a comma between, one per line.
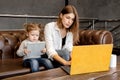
x=60, y=36
x=33, y=61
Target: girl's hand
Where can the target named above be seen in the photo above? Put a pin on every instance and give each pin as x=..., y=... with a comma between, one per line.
x=43, y=50
x=26, y=51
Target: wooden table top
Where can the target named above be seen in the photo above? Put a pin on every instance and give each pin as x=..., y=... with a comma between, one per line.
x=43, y=75
x=59, y=74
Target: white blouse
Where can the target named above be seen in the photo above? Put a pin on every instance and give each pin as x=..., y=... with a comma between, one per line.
x=53, y=39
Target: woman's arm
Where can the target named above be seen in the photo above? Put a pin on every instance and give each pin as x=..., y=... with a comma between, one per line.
x=61, y=60
x=49, y=40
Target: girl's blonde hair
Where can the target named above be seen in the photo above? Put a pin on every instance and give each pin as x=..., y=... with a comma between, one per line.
x=74, y=28
x=31, y=26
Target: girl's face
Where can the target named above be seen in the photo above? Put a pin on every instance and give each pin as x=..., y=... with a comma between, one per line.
x=67, y=19
x=33, y=35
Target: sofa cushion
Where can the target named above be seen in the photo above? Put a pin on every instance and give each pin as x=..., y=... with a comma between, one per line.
x=89, y=37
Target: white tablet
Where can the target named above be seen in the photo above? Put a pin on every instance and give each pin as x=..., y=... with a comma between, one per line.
x=35, y=48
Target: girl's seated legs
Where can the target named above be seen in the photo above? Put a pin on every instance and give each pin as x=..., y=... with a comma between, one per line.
x=45, y=62
x=35, y=63
x=32, y=63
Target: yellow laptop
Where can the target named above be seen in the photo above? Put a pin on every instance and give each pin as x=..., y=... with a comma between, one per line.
x=89, y=58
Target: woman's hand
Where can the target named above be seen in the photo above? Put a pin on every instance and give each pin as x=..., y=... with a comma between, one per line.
x=67, y=63
x=61, y=60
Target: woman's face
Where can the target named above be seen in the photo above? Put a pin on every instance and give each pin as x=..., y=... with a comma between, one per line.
x=67, y=19
x=33, y=35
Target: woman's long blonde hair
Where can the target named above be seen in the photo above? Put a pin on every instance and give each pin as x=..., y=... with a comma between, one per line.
x=74, y=28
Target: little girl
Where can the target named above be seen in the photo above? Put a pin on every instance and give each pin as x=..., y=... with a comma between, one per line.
x=34, y=62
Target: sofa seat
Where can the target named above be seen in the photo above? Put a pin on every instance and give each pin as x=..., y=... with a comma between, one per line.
x=12, y=67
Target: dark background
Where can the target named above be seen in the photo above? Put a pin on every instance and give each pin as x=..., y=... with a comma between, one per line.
x=102, y=9
x=106, y=11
